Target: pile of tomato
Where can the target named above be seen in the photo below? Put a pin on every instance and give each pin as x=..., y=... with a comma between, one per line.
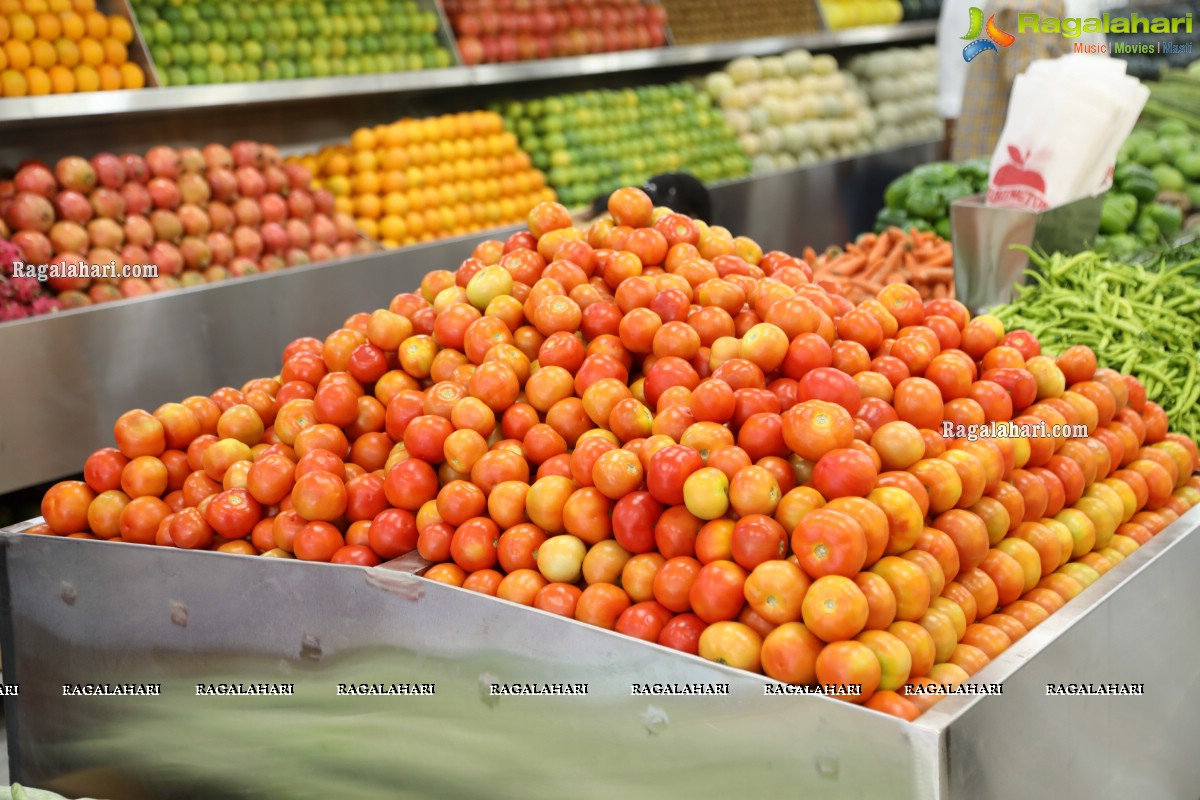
x=654, y=427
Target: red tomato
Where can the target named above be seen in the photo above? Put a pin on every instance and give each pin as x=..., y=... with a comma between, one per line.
x=831, y=385
x=829, y=543
x=633, y=521
x=718, y=591
x=844, y=473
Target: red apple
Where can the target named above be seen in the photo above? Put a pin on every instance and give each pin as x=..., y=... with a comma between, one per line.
x=35, y=246
x=274, y=236
x=36, y=179
x=136, y=169
x=164, y=193
x=223, y=183
x=221, y=247
x=251, y=183
x=167, y=257
x=274, y=208
x=163, y=162
x=73, y=207
x=31, y=212
x=109, y=171
x=137, y=198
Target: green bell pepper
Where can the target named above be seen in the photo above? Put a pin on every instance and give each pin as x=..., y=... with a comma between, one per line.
x=1168, y=218
x=1118, y=212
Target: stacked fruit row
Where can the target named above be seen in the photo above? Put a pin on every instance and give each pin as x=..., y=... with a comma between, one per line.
x=653, y=427
x=64, y=46
x=495, y=30
x=200, y=41
x=700, y=21
x=793, y=110
x=192, y=215
x=420, y=179
x=590, y=143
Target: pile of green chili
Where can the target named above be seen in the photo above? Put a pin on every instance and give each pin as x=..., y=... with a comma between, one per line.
x=1139, y=320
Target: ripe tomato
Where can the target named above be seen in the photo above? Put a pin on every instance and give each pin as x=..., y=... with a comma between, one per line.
x=717, y=593
x=393, y=533
x=319, y=496
x=669, y=469
x=234, y=513
x=138, y=433
x=776, y=590
x=895, y=660
x=65, y=506
x=844, y=473
x=683, y=633
x=644, y=620
x=908, y=583
x=676, y=531
x=410, y=484
x=754, y=490
x=355, y=554
x=834, y=608
x=140, y=519
x=830, y=385
x=812, y=428
x=828, y=542
x=558, y=598
x=899, y=445
x=757, y=539
x=844, y=664
x=601, y=604
x=473, y=546
x=706, y=493
x=318, y=541
x=732, y=643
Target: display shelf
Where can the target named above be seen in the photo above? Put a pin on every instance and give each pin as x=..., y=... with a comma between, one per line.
x=33, y=111
x=68, y=615
x=68, y=376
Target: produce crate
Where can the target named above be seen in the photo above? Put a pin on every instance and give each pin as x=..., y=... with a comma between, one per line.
x=87, y=612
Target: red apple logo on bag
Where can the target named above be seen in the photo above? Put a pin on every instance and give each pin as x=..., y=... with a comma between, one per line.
x=1016, y=174
x=1015, y=184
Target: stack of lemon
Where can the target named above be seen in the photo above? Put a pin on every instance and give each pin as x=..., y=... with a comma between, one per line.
x=63, y=46
x=841, y=14
x=416, y=180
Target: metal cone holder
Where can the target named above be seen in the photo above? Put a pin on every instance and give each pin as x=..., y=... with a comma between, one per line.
x=987, y=267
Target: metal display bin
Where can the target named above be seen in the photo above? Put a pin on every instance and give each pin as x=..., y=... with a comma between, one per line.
x=74, y=612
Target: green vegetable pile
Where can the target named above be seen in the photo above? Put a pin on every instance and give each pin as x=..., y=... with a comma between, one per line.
x=1136, y=319
x=1155, y=183
x=922, y=198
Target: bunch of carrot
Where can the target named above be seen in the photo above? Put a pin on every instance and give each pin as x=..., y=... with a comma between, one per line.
x=921, y=259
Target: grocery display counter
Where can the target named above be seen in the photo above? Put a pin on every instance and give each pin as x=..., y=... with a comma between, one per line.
x=86, y=612
x=89, y=366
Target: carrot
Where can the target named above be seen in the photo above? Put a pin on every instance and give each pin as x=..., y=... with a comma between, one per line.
x=879, y=249
x=933, y=274
x=896, y=233
x=940, y=291
x=944, y=257
x=810, y=256
x=847, y=264
x=889, y=264
x=869, y=287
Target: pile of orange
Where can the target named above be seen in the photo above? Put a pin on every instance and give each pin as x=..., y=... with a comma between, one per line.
x=64, y=46
x=416, y=180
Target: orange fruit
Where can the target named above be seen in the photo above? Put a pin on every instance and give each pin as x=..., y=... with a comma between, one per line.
x=86, y=78
x=366, y=183
x=363, y=139
x=59, y=5
x=132, y=76
x=3, y=59
x=110, y=77
x=114, y=51
x=43, y=53
x=62, y=80
x=368, y=206
x=338, y=164
x=73, y=26
x=120, y=29
x=339, y=185
x=395, y=204
x=395, y=135
x=36, y=6
x=392, y=227
x=37, y=80
x=394, y=158
x=365, y=161
x=13, y=84
x=97, y=24
x=83, y=6
x=368, y=226
x=10, y=6
x=393, y=181
x=48, y=26
x=23, y=27
x=91, y=52
x=18, y=54
x=416, y=223
x=5, y=29
x=68, y=52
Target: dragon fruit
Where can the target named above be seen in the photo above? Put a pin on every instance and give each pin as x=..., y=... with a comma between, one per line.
x=21, y=297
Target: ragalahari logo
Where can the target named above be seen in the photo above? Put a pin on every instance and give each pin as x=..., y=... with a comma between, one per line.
x=995, y=36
